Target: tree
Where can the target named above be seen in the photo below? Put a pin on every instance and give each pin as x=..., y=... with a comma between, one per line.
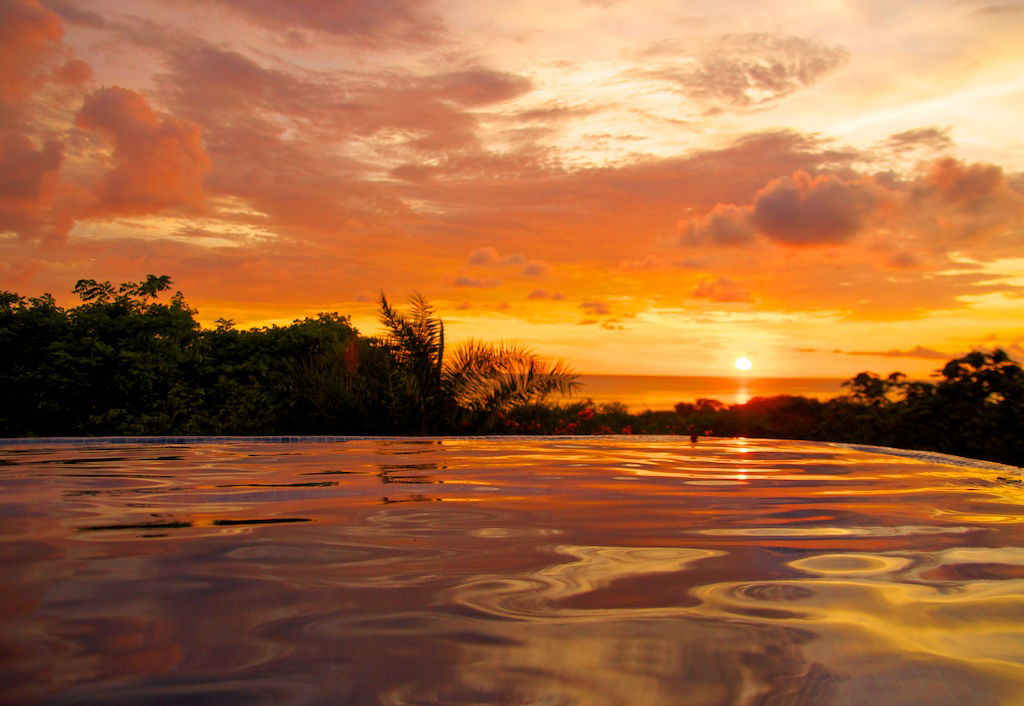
x=475, y=384
x=486, y=379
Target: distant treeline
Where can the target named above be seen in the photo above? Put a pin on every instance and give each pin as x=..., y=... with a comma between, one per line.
x=123, y=362
x=974, y=409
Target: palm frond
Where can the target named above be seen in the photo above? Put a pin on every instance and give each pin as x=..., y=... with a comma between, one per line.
x=489, y=377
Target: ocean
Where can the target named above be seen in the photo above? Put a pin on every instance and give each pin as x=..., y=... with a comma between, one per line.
x=640, y=392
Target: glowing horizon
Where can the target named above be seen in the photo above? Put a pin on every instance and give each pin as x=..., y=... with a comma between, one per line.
x=635, y=188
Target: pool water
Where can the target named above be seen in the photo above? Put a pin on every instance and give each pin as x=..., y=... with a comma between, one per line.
x=609, y=570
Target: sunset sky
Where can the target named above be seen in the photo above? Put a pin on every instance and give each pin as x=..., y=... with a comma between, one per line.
x=638, y=186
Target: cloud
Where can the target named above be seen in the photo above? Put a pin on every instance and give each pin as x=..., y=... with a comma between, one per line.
x=536, y=268
x=30, y=35
x=725, y=224
x=75, y=13
x=652, y=262
x=929, y=138
x=159, y=161
x=597, y=308
x=754, y=69
x=915, y=352
x=795, y=210
x=475, y=87
x=967, y=201
x=947, y=205
x=484, y=282
x=806, y=210
x=483, y=256
x=366, y=21
x=398, y=115
x=29, y=179
x=721, y=289
x=34, y=201
x=545, y=294
x=902, y=260
x=73, y=72
x=489, y=257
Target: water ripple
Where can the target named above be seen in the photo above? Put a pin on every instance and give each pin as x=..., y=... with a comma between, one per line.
x=508, y=571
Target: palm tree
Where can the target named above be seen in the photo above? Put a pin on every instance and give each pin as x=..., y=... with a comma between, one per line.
x=486, y=379
x=416, y=342
x=478, y=381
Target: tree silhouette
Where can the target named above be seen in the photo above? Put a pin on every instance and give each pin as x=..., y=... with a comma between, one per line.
x=476, y=383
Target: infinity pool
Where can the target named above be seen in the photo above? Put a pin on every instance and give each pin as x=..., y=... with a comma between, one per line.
x=615, y=570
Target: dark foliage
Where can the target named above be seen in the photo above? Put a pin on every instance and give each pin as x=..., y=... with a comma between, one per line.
x=124, y=362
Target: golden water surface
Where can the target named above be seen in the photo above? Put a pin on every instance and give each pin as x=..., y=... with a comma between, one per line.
x=508, y=571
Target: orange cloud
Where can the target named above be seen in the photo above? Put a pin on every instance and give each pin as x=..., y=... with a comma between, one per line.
x=30, y=35
x=34, y=203
x=483, y=282
x=536, y=268
x=598, y=308
x=159, y=161
x=545, y=294
x=915, y=352
x=721, y=289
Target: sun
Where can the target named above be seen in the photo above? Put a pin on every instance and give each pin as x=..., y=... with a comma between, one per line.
x=742, y=363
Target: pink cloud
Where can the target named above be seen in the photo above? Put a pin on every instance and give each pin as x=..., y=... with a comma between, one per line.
x=74, y=12
x=73, y=72
x=476, y=87
x=752, y=69
x=159, y=161
x=359, y=20
x=29, y=179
